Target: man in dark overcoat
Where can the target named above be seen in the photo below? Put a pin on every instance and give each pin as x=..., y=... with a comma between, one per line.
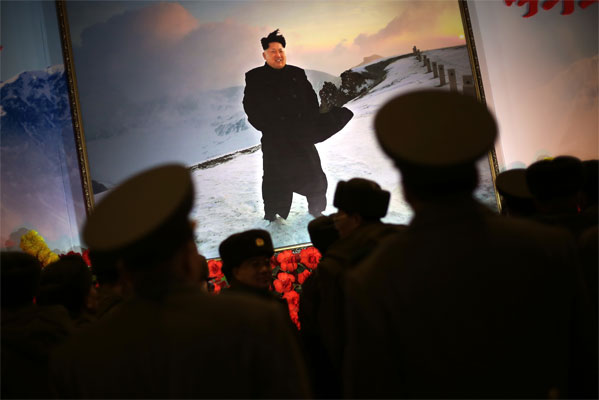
x=281, y=103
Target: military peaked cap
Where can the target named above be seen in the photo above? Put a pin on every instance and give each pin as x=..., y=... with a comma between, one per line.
x=239, y=247
x=148, y=213
x=435, y=128
x=513, y=183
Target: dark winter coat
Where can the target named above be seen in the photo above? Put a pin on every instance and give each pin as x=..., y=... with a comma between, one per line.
x=28, y=336
x=322, y=301
x=282, y=104
x=190, y=345
x=466, y=303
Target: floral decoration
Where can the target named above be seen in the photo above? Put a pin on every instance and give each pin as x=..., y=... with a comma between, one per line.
x=284, y=282
x=302, y=276
x=84, y=255
x=310, y=257
x=289, y=268
x=216, y=276
x=32, y=243
x=293, y=301
x=288, y=260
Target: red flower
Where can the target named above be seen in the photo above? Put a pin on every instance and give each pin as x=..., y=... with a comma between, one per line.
x=288, y=260
x=284, y=282
x=293, y=299
x=214, y=268
x=302, y=276
x=218, y=286
x=85, y=256
x=70, y=253
x=295, y=319
x=310, y=257
x=273, y=262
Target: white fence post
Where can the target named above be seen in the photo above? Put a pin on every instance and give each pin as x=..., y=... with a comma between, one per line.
x=441, y=74
x=453, y=83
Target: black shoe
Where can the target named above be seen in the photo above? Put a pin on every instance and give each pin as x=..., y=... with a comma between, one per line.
x=270, y=217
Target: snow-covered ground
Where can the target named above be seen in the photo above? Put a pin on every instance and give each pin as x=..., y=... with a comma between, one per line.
x=229, y=195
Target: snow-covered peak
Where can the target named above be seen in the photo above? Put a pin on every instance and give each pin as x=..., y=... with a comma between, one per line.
x=27, y=77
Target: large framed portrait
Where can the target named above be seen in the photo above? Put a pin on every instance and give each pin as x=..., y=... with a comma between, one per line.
x=161, y=82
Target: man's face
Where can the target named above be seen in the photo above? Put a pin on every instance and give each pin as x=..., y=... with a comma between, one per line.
x=275, y=55
x=254, y=272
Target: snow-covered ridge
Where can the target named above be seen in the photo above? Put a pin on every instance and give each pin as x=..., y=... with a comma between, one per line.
x=33, y=75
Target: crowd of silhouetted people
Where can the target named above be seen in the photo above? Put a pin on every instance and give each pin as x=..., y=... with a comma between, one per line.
x=462, y=302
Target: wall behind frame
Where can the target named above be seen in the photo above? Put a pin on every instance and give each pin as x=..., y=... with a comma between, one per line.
x=40, y=182
x=540, y=78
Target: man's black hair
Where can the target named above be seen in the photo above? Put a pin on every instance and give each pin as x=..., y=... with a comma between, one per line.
x=273, y=37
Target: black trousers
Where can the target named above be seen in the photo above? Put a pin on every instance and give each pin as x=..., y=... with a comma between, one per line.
x=278, y=195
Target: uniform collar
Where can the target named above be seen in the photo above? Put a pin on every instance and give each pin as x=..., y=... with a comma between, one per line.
x=450, y=211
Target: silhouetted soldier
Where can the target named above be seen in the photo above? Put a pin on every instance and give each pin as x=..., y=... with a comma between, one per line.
x=323, y=375
x=68, y=282
x=361, y=204
x=556, y=184
x=464, y=303
x=589, y=201
x=517, y=201
x=112, y=288
x=172, y=340
x=29, y=331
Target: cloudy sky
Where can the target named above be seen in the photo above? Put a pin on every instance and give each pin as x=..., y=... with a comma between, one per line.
x=213, y=43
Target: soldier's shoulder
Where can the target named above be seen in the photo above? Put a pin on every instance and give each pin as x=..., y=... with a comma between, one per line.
x=528, y=229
